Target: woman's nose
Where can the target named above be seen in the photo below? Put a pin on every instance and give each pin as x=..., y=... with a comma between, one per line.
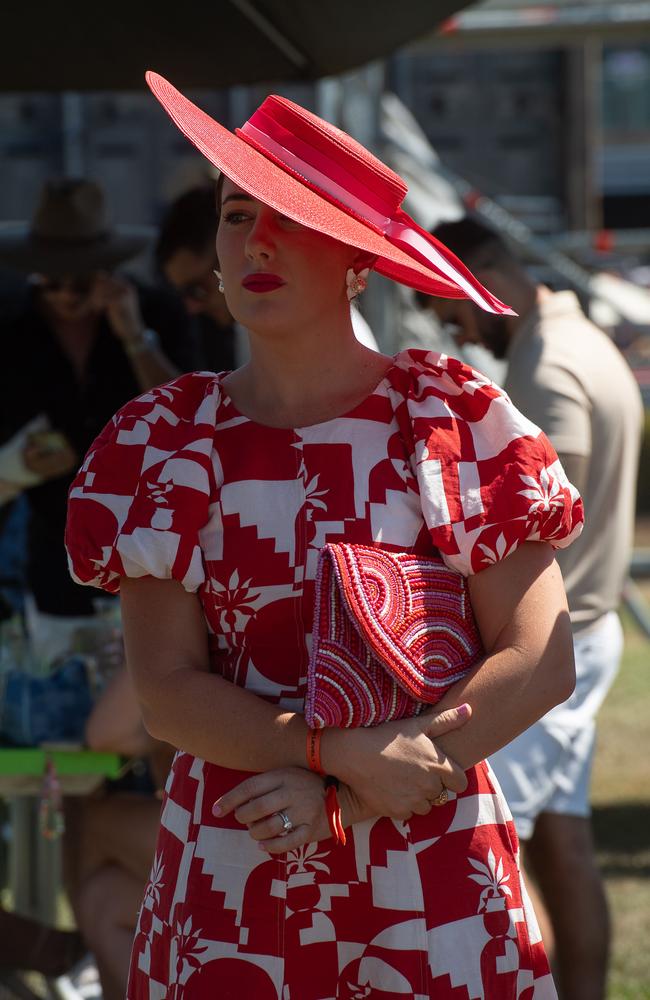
x=261, y=239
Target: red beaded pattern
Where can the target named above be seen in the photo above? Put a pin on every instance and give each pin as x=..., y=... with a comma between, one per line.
x=392, y=632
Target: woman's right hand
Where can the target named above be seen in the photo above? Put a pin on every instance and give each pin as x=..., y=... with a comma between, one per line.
x=395, y=768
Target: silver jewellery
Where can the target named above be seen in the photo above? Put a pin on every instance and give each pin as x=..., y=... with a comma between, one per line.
x=287, y=825
x=218, y=274
x=356, y=283
x=146, y=340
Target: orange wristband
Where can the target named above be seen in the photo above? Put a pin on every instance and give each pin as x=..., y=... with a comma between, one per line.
x=313, y=750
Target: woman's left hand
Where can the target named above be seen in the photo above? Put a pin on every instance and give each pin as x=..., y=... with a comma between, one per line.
x=258, y=801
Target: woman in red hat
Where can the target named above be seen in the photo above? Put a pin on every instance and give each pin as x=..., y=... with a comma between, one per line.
x=208, y=501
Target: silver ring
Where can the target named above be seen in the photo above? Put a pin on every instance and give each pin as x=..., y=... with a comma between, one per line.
x=287, y=825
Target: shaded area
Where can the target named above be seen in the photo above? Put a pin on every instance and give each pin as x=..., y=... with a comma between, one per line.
x=109, y=46
x=622, y=835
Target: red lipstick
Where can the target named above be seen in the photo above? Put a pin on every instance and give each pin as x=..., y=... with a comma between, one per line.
x=261, y=281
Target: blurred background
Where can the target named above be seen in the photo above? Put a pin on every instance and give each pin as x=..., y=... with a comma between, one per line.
x=534, y=115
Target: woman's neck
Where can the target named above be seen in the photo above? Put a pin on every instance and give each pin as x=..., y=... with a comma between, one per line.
x=295, y=381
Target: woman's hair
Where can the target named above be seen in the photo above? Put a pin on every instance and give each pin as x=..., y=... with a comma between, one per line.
x=218, y=192
x=190, y=223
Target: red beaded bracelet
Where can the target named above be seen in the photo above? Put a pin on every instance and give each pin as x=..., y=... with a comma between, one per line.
x=332, y=806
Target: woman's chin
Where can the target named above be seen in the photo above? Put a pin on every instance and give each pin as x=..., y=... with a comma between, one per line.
x=266, y=318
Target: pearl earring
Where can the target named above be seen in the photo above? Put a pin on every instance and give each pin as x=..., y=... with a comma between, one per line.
x=356, y=283
x=218, y=274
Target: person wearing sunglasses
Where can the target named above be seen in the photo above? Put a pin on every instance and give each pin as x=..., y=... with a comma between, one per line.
x=186, y=261
x=78, y=340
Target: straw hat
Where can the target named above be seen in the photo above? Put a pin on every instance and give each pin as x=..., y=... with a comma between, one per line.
x=319, y=176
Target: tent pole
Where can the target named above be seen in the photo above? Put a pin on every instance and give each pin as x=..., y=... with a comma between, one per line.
x=295, y=57
x=72, y=116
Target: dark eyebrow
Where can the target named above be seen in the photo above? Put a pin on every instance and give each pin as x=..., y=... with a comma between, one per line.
x=237, y=197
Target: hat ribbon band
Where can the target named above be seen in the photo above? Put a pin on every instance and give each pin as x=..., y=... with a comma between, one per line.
x=315, y=176
x=398, y=233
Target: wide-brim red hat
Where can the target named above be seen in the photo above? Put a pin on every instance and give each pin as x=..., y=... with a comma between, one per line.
x=319, y=176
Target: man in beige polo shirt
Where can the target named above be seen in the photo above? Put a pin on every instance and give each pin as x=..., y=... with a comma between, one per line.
x=567, y=376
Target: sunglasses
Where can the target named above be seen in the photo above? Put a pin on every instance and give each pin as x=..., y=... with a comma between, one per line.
x=79, y=286
x=196, y=292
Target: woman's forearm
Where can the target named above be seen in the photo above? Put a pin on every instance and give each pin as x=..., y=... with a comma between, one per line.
x=218, y=721
x=508, y=691
x=521, y=611
x=185, y=705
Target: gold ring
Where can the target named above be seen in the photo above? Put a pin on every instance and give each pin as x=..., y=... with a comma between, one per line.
x=441, y=799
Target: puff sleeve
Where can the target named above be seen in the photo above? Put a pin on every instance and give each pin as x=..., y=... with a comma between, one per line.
x=142, y=495
x=488, y=478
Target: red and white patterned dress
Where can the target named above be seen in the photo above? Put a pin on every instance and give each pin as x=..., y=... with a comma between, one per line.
x=180, y=484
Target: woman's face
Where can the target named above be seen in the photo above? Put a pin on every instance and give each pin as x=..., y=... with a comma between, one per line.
x=67, y=299
x=277, y=274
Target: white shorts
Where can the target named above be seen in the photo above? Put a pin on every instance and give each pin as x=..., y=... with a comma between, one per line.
x=548, y=767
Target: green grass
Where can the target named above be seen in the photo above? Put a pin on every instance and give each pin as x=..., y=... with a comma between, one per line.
x=621, y=799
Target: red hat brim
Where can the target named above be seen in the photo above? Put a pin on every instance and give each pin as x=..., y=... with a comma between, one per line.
x=268, y=182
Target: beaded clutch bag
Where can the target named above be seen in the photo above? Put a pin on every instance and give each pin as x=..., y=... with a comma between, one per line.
x=392, y=632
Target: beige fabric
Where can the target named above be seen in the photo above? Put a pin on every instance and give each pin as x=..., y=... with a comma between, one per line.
x=568, y=377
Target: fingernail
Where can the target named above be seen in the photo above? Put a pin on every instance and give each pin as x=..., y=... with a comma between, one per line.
x=216, y=809
x=463, y=710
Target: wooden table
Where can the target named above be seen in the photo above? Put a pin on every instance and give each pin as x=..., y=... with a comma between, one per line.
x=79, y=771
